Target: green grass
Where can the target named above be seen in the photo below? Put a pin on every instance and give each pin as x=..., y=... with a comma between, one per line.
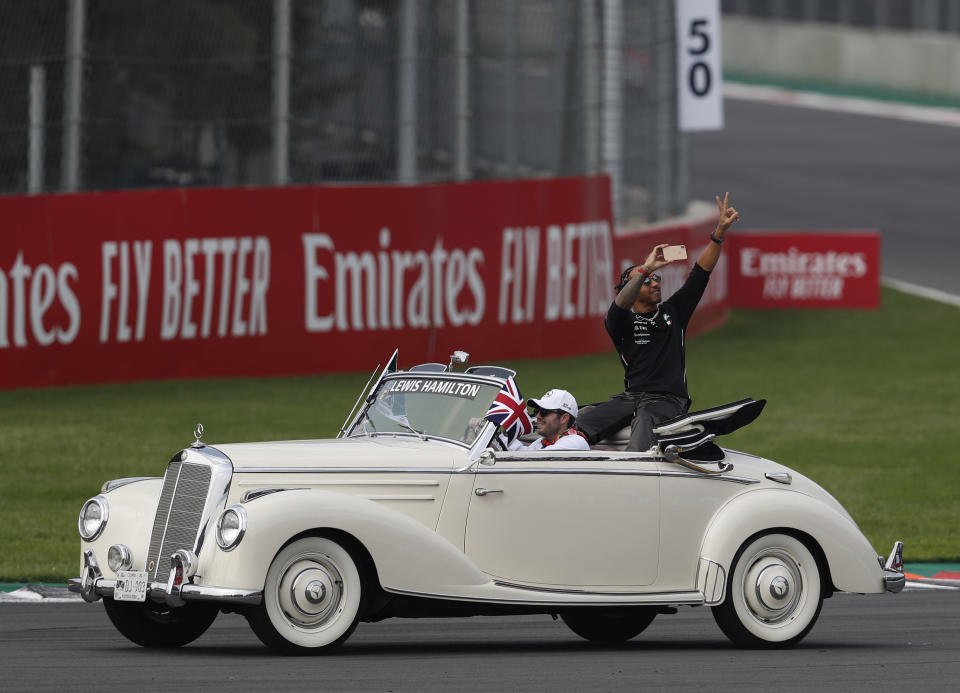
x=865, y=403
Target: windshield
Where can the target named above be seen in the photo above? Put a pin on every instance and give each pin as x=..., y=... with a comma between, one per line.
x=427, y=405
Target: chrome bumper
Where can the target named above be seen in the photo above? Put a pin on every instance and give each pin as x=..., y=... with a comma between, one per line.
x=91, y=585
x=893, y=576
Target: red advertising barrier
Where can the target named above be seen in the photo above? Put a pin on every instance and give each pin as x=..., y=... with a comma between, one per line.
x=804, y=270
x=248, y=282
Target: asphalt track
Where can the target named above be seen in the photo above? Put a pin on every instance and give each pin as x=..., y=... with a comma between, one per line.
x=789, y=167
x=908, y=641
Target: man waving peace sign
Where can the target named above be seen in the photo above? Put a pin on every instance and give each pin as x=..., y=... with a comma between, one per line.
x=650, y=336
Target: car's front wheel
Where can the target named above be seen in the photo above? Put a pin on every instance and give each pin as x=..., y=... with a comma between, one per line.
x=774, y=594
x=153, y=624
x=312, y=598
x=606, y=625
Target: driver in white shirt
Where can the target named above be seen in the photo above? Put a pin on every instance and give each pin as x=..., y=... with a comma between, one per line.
x=556, y=417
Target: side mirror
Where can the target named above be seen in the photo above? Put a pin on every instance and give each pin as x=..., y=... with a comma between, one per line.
x=457, y=357
x=487, y=458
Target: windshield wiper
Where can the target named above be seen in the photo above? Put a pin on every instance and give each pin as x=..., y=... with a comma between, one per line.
x=363, y=422
x=423, y=436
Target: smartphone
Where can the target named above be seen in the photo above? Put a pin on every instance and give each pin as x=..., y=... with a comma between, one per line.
x=674, y=252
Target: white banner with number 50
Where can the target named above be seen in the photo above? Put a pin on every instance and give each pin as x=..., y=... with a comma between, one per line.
x=699, y=69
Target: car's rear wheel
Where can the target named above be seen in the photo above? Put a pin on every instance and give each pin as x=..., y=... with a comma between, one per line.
x=607, y=625
x=153, y=624
x=312, y=598
x=774, y=594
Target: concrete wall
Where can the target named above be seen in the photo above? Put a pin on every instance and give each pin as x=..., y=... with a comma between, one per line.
x=921, y=62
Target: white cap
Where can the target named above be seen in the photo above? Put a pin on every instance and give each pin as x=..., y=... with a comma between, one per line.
x=556, y=400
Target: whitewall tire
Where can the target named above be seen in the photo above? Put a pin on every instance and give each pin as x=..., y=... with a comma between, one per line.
x=312, y=598
x=774, y=593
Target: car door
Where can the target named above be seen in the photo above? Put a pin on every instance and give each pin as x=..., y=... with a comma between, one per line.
x=574, y=519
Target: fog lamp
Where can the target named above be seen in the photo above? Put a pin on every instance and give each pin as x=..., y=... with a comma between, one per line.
x=119, y=557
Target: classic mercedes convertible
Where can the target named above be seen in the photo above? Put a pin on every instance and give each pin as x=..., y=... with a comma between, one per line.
x=416, y=509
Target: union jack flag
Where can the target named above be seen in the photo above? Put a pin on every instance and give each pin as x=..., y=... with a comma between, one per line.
x=509, y=411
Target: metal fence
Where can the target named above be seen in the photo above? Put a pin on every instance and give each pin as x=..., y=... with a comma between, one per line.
x=109, y=94
x=921, y=15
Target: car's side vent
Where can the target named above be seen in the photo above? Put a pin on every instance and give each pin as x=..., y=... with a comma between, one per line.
x=179, y=513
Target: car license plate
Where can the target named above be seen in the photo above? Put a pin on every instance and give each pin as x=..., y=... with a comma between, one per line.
x=131, y=586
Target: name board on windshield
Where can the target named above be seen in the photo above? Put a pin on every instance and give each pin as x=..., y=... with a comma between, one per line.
x=454, y=388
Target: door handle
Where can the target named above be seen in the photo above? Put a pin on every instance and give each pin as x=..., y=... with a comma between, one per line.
x=485, y=491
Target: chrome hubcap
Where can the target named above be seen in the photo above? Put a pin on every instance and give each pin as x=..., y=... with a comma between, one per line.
x=316, y=592
x=773, y=587
x=310, y=592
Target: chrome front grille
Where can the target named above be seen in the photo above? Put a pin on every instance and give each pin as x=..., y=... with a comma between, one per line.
x=179, y=514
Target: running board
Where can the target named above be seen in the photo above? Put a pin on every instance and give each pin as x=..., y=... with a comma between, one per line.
x=509, y=593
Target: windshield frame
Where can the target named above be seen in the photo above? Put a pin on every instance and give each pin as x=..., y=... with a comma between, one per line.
x=480, y=441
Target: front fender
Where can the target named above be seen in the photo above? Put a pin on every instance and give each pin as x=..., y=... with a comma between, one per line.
x=131, y=509
x=852, y=561
x=408, y=555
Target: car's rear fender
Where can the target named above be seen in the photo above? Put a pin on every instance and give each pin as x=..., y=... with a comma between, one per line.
x=407, y=555
x=851, y=561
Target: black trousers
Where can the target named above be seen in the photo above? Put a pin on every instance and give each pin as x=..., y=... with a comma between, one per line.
x=642, y=411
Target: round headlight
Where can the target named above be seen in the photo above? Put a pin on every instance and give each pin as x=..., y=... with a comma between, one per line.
x=93, y=518
x=231, y=527
x=119, y=557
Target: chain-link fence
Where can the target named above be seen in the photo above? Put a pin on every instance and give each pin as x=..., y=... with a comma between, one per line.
x=109, y=94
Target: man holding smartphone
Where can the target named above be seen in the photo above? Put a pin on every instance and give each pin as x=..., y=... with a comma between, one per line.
x=649, y=335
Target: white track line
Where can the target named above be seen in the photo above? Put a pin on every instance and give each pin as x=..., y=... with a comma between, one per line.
x=949, y=117
x=26, y=595
x=919, y=585
x=922, y=291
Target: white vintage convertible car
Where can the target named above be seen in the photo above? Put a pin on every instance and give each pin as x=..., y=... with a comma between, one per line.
x=416, y=510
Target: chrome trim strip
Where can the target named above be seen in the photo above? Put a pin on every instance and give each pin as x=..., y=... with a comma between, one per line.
x=779, y=477
x=536, y=456
x=492, y=470
x=342, y=470
x=691, y=598
x=558, y=590
x=424, y=436
x=117, y=483
x=156, y=591
x=342, y=482
x=446, y=375
x=255, y=493
x=569, y=470
x=722, y=477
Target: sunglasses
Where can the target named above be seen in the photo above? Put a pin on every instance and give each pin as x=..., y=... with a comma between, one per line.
x=545, y=412
x=651, y=278
x=625, y=277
